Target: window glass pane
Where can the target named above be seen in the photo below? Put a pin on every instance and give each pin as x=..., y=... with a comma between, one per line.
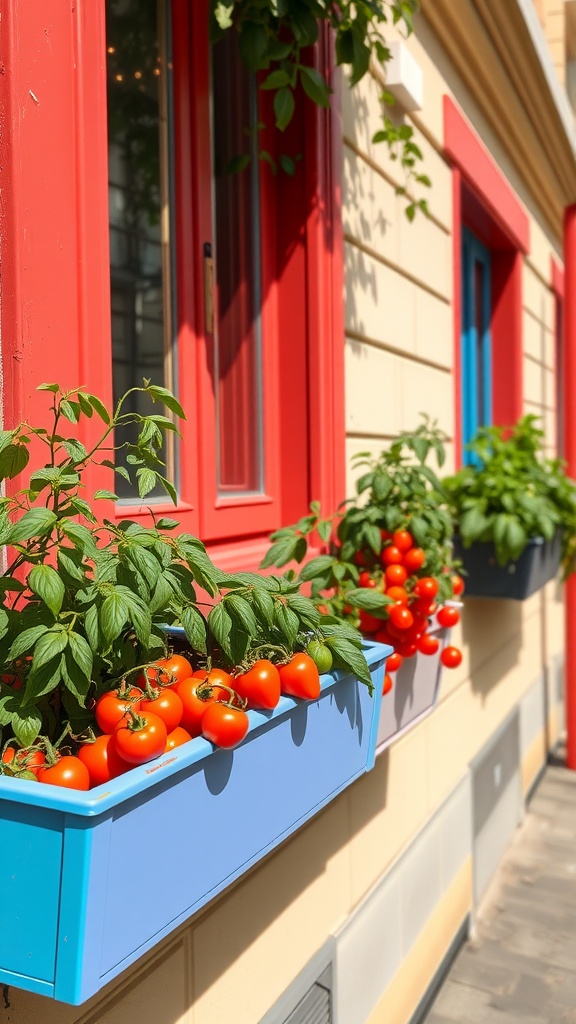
x=480, y=329
x=238, y=359
x=138, y=101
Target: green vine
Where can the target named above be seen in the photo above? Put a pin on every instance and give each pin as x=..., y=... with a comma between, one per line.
x=273, y=39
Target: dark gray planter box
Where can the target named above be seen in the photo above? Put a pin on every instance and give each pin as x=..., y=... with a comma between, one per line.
x=538, y=563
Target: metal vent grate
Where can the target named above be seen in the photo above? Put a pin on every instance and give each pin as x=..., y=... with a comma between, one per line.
x=314, y=1008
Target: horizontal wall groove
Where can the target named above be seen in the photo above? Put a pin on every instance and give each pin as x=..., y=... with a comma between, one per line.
x=362, y=435
x=375, y=255
x=413, y=357
x=393, y=182
x=538, y=362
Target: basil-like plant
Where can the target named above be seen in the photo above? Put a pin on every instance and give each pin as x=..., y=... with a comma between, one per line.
x=396, y=491
x=83, y=601
x=513, y=492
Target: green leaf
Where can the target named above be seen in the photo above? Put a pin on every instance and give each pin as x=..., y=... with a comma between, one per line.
x=146, y=479
x=113, y=616
x=70, y=410
x=344, y=47
x=74, y=677
x=287, y=164
x=351, y=659
x=26, y=725
x=253, y=43
x=472, y=524
x=275, y=80
x=194, y=627
x=283, y=108
x=106, y=494
x=167, y=524
x=242, y=612
x=287, y=622
x=43, y=680
x=92, y=627
x=316, y=566
x=75, y=449
x=99, y=408
x=25, y=641
x=315, y=86
x=220, y=624
x=368, y=600
x=264, y=605
x=48, y=647
x=158, y=394
x=13, y=460
x=81, y=653
x=45, y=582
x=48, y=387
x=281, y=552
x=34, y=523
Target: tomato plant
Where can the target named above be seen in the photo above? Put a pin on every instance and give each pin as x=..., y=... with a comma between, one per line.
x=223, y=725
x=69, y=772
x=24, y=759
x=166, y=672
x=300, y=677
x=140, y=737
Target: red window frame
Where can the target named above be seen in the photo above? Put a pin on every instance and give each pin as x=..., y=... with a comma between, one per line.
x=55, y=259
x=484, y=202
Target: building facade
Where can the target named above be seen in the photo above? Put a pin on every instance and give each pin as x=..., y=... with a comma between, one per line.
x=334, y=323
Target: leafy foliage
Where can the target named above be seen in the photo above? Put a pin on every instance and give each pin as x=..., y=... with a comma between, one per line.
x=397, y=491
x=274, y=36
x=84, y=601
x=513, y=492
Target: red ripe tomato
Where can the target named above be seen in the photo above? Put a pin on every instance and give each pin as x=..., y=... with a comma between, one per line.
x=406, y=648
x=214, y=677
x=391, y=555
x=102, y=760
x=168, y=671
x=386, y=535
x=140, y=740
x=68, y=772
x=400, y=617
x=398, y=595
x=421, y=607
x=196, y=695
x=260, y=686
x=110, y=708
x=300, y=677
x=412, y=635
x=366, y=580
x=383, y=636
x=177, y=738
x=369, y=623
x=451, y=657
x=428, y=644
x=223, y=725
x=457, y=585
x=388, y=684
x=414, y=559
x=359, y=558
x=426, y=587
x=24, y=759
x=448, y=616
x=395, y=575
x=167, y=705
x=394, y=662
x=403, y=540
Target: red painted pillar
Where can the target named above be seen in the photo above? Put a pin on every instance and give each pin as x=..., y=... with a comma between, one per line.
x=569, y=379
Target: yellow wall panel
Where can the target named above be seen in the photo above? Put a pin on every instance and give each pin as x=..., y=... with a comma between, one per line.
x=379, y=302
x=373, y=401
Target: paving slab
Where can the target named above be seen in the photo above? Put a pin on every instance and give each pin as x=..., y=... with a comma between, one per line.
x=520, y=966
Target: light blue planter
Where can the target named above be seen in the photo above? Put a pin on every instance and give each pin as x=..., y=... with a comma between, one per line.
x=68, y=859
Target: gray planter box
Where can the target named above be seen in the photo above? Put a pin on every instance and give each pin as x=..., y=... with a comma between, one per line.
x=413, y=696
x=537, y=565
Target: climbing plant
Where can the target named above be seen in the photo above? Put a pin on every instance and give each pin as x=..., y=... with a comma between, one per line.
x=274, y=36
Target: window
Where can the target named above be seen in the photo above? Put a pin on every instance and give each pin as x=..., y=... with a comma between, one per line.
x=224, y=274
x=557, y=276
x=491, y=233
x=476, y=338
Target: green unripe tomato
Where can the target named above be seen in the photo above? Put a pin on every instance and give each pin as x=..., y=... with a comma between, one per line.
x=321, y=655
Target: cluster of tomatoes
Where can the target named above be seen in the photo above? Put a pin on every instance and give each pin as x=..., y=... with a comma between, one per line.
x=415, y=612
x=168, y=705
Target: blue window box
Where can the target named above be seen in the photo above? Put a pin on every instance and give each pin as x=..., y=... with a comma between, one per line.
x=65, y=872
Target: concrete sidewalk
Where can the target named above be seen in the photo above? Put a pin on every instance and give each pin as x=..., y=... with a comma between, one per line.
x=521, y=964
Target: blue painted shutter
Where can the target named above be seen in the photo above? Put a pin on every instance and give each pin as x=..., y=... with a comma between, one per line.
x=476, y=339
